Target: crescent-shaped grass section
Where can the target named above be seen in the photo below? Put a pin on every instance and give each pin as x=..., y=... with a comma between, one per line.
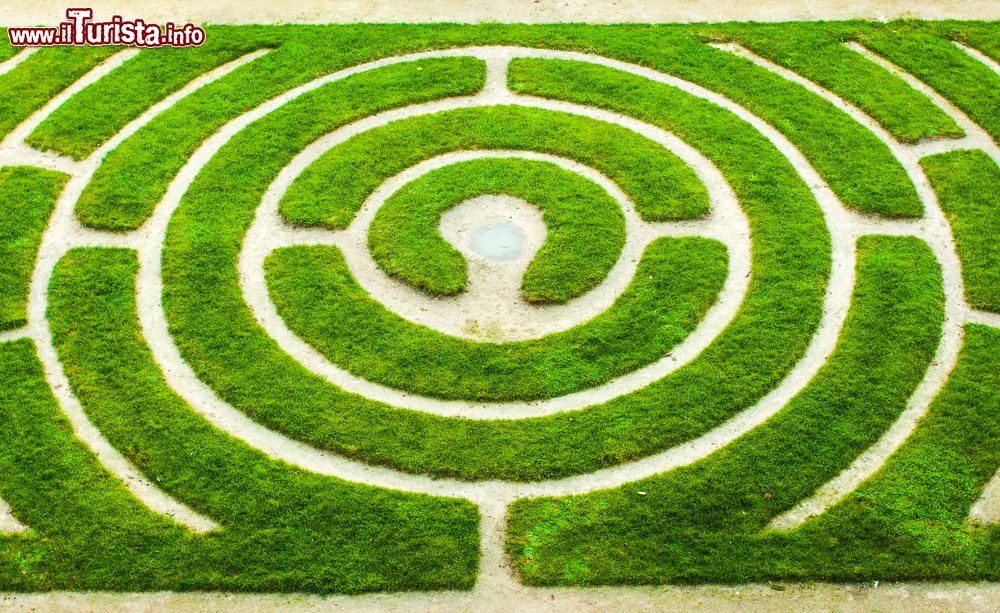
x=134, y=177
x=283, y=529
x=36, y=80
x=817, y=52
x=97, y=113
x=85, y=527
x=585, y=227
x=334, y=187
x=27, y=197
x=677, y=280
x=217, y=335
x=859, y=168
x=707, y=522
x=935, y=60
x=967, y=184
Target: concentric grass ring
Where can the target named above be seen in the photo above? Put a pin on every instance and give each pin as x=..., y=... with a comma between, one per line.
x=790, y=266
x=585, y=228
x=710, y=471
x=675, y=283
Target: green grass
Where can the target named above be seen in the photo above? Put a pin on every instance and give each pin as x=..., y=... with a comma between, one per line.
x=334, y=187
x=39, y=78
x=27, y=197
x=676, y=282
x=963, y=80
x=585, y=227
x=6, y=50
x=817, y=52
x=704, y=522
x=968, y=188
x=984, y=37
x=288, y=530
x=135, y=176
x=86, y=529
x=859, y=168
x=98, y=112
x=284, y=529
x=218, y=336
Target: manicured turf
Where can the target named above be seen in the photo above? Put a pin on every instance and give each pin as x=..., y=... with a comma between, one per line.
x=585, y=227
x=980, y=36
x=136, y=174
x=217, y=334
x=908, y=521
x=30, y=85
x=94, y=115
x=335, y=186
x=284, y=529
x=817, y=52
x=6, y=51
x=963, y=80
x=968, y=188
x=27, y=197
x=676, y=282
x=859, y=168
x=703, y=523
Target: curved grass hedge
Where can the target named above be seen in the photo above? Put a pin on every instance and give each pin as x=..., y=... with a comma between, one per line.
x=706, y=522
x=217, y=334
x=283, y=529
x=966, y=185
x=859, y=168
x=97, y=113
x=817, y=52
x=135, y=176
x=333, y=188
x=585, y=227
x=27, y=197
x=676, y=282
x=966, y=82
x=36, y=80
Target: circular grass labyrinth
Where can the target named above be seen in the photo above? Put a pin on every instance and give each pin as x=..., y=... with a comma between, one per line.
x=483, y=309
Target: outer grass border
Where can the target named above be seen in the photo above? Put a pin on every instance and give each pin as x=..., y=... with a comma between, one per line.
x=91, y=117
x=115, y=201
x=218, y=336
x=585, y=227
x=705, y=522
x=927, y=471
x=817, y=52
x=285, y=529
x=27, y=197
x=37, y=79
x=968, y=188
x=135, y=176
x=859, y=168
x=676, y=282
x=951, y=72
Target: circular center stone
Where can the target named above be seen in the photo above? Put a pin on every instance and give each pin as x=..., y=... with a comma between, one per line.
x=501, y=240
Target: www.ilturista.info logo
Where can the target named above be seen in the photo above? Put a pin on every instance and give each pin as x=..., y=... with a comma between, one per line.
x=80, y=30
